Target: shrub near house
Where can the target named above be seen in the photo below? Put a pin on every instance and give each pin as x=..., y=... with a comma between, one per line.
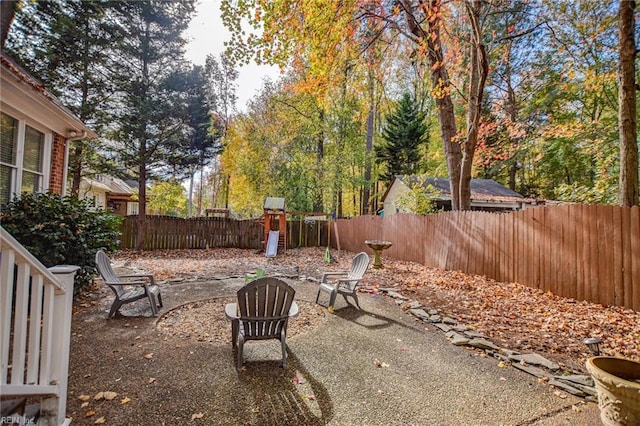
x=61, y=230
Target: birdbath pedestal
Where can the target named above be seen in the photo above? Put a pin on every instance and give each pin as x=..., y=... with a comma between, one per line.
x=377, y=247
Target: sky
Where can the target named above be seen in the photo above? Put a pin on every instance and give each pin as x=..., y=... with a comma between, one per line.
x=207, y=35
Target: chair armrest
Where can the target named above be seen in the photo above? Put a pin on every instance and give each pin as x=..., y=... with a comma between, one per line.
x=332, y=274
x=123, y=283
x=294, y=310
x=231, y=311
x=150, y=276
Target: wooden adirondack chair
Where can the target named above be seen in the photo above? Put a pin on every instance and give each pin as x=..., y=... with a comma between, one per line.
x=262, y=312
x=128, y=291
x=346, y=282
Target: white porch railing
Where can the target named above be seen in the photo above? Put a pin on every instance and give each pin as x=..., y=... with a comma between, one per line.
x=35, y=329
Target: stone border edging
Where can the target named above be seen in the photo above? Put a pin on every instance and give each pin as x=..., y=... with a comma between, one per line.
x=531, y=363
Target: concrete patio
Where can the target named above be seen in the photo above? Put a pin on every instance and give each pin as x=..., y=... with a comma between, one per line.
x=373, y=367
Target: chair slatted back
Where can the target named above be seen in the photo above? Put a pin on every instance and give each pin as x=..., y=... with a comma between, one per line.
x=264, y=307
x=106, y=271
x=359, y=266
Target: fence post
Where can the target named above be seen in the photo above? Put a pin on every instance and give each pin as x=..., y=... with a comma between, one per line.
x=62, y=307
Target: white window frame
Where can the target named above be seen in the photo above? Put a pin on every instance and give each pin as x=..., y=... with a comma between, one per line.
x=18, y=168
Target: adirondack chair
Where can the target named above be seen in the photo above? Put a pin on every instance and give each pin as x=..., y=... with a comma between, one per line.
x=262, y=312
x=144, y=286
x=346, y=282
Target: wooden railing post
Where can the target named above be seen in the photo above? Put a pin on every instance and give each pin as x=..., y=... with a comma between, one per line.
x=53, y=410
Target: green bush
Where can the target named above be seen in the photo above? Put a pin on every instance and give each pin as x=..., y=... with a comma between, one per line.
x=61, y=231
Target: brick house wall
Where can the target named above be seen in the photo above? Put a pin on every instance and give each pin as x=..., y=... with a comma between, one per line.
x=57, y=164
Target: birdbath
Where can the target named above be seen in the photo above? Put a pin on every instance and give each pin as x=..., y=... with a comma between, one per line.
x=377, y=247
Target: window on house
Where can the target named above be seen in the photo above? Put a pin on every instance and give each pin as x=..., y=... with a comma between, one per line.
x=8, y=145
x=22, y=158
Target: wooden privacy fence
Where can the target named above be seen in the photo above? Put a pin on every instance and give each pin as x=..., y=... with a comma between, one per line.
x=585, y=252
x=168, y=232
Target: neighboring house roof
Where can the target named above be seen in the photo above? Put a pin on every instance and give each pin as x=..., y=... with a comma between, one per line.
x=96, y=185
x=481, y=189
x=23, y=91
x=111, y=185
x=485, y=189
x=132, y=183
x=118, y=186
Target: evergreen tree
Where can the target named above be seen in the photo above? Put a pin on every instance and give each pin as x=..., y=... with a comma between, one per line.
x=69, y=46
x=205, y=130
x=405, y=133
x=148, y=131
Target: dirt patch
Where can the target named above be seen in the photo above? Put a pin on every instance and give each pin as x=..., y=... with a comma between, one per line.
x=204, y=321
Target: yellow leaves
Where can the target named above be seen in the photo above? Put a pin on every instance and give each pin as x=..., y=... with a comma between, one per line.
x=100, y=397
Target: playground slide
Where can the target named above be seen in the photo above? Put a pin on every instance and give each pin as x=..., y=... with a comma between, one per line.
x=272, y=243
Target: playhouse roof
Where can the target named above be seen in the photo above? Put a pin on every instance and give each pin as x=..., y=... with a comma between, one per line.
x=273, y=203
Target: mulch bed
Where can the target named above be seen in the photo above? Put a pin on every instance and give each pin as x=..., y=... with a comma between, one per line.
x=204, y=321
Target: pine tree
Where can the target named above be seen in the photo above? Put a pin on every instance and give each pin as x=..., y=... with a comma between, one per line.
x=147, y=129
x=405, y=133
x=68, y=45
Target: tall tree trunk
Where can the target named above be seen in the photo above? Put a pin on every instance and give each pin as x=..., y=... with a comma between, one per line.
x=77, y=161
x=190, y=205
x=367, y=167
x=512, y=111
x=629, y=186
x=142, y=201
x=75, y=167
x=201, y=187
x=441, y=87
x=479, y=71
x=317, y=203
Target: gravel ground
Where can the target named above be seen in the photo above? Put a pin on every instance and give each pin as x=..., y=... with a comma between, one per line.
x=378, y=366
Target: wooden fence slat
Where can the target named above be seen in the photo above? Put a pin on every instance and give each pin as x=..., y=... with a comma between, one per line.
x=627, y=255
x=634, y=221
x=617, y=260
x=578, y=218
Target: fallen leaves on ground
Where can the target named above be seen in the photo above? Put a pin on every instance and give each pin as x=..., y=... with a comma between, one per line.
x=108, y=396
x=204, y=321
x=512, y=315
